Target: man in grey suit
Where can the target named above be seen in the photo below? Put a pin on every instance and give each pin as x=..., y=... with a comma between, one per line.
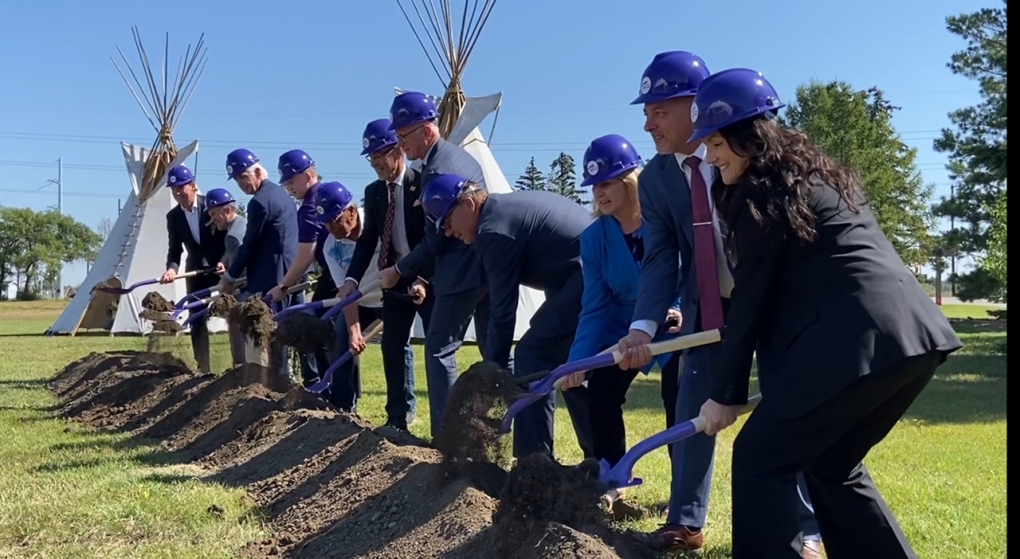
x=223, y=213
x=675, y=201
x=458, y=281
x=531, y=239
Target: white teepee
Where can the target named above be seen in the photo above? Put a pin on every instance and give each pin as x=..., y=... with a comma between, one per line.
x=460, y=116
x=135, y=250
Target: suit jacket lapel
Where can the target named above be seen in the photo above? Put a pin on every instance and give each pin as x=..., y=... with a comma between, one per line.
x=616, y=247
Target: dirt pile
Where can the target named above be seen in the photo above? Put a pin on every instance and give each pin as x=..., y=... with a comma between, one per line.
x=254, y=319
x=221, y=305
x=156, y=302
x=330, y=484
x=306, y=332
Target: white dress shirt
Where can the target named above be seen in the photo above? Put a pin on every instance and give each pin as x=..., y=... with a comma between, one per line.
x=725, y=276
x=193, y=216
x=401, y=246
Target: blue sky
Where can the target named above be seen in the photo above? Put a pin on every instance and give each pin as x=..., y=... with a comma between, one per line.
x=311, y=74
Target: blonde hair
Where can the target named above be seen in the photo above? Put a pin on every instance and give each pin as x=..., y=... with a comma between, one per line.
x=630, y=182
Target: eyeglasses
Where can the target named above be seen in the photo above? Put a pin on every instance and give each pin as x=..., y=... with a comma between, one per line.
x=403, y=137
x=381, y=154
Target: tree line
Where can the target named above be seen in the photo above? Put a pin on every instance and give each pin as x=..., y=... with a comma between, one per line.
x=855, y=127
x=34, y=245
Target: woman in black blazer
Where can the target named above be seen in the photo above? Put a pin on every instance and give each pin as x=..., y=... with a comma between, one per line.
x=845, y=336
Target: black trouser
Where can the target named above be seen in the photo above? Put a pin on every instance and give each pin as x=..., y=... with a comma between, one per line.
x=199, y=330
x=314, y=365
x=607, y=392
x=827, y=445
x=398, y=314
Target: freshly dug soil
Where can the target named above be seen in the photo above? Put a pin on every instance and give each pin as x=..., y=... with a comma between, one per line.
x=329, y=484
x=474, y=411
x=255, y=320
x=221, y=305
x=306, y=333
x=156, y=302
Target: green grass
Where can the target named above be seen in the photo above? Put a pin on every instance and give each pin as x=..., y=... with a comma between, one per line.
x=69, y=492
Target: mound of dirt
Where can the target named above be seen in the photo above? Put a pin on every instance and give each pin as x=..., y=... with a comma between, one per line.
x=306, y=332
x=156, y=302
x=329, y=484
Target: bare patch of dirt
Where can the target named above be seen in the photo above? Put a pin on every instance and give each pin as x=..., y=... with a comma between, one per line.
x=331, y=485
x=221, y=305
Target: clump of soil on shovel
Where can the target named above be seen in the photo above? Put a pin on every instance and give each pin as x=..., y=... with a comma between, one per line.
x=255, y=320
x=306, y=333
x=222, y=305
x=156, y=302
x=474, y=410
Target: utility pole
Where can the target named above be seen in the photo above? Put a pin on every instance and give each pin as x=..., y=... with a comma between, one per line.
x=952, y=231
x=60, y=210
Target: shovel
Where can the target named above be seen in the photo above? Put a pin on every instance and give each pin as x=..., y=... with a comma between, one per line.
x=335, y=305
x=327, y=377
x=619, y=476
x=202, y=293
x=136, y=285
x=540, y=388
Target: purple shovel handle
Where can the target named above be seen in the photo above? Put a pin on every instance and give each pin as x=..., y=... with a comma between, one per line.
x=297, y=308
x=327, y=378
x=194, y=297
x=541, y=388
x=620, y=475
x=343, y=303
x=188, y=307
x=195, y=316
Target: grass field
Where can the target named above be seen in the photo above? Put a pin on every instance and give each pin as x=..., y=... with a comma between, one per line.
x=67, y=492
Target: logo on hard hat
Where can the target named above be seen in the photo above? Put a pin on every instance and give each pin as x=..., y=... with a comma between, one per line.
x=646, y=85
x=173, y=179
x=592, y=168
x=230, y=168
x=366, y=143
x=320, y=209
x=694, y=112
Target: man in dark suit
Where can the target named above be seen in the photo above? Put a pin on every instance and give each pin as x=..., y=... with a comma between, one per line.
x=675, y=201
x=271, y=239
x=189, y=228
x=394, y=225
x=530, y=239
x=845, y=336
x=459, y=282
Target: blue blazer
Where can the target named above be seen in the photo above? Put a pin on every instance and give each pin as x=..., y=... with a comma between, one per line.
x=610, y=291
x=270, y=241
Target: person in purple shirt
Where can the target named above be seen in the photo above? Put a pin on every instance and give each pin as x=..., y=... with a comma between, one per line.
x=301, y=179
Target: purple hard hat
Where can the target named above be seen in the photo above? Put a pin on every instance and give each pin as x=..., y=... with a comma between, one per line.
x=179, y=176
x=218, y=197
x=608, y=157
x=238, y=162
x=293, y=163
x=410, y=108
x=331, y=198
x=440, y=195
x=671, y=74
x=377, y=135
x=729, y=97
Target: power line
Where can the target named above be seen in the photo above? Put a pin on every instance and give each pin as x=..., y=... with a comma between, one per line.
x=332, y=146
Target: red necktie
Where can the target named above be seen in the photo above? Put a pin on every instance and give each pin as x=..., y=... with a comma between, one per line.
x=387, y=234
x=704, y=249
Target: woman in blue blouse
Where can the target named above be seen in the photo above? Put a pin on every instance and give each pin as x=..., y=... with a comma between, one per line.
x=611, y=252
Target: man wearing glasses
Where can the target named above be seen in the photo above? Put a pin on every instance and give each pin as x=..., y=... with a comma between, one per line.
x=459, y=283
x=393, y=226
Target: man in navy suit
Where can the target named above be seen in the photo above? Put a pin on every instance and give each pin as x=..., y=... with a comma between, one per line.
x=271, y=239
x=459, y=281
x=189, y=227
x=675, y=199
x=531, y=239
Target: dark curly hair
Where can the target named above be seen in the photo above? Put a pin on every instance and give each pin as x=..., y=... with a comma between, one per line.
x=784, y=166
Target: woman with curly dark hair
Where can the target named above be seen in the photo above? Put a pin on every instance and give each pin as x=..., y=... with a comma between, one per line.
x=844, y=334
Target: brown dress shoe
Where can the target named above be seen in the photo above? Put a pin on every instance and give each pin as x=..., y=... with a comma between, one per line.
x=674, y=537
